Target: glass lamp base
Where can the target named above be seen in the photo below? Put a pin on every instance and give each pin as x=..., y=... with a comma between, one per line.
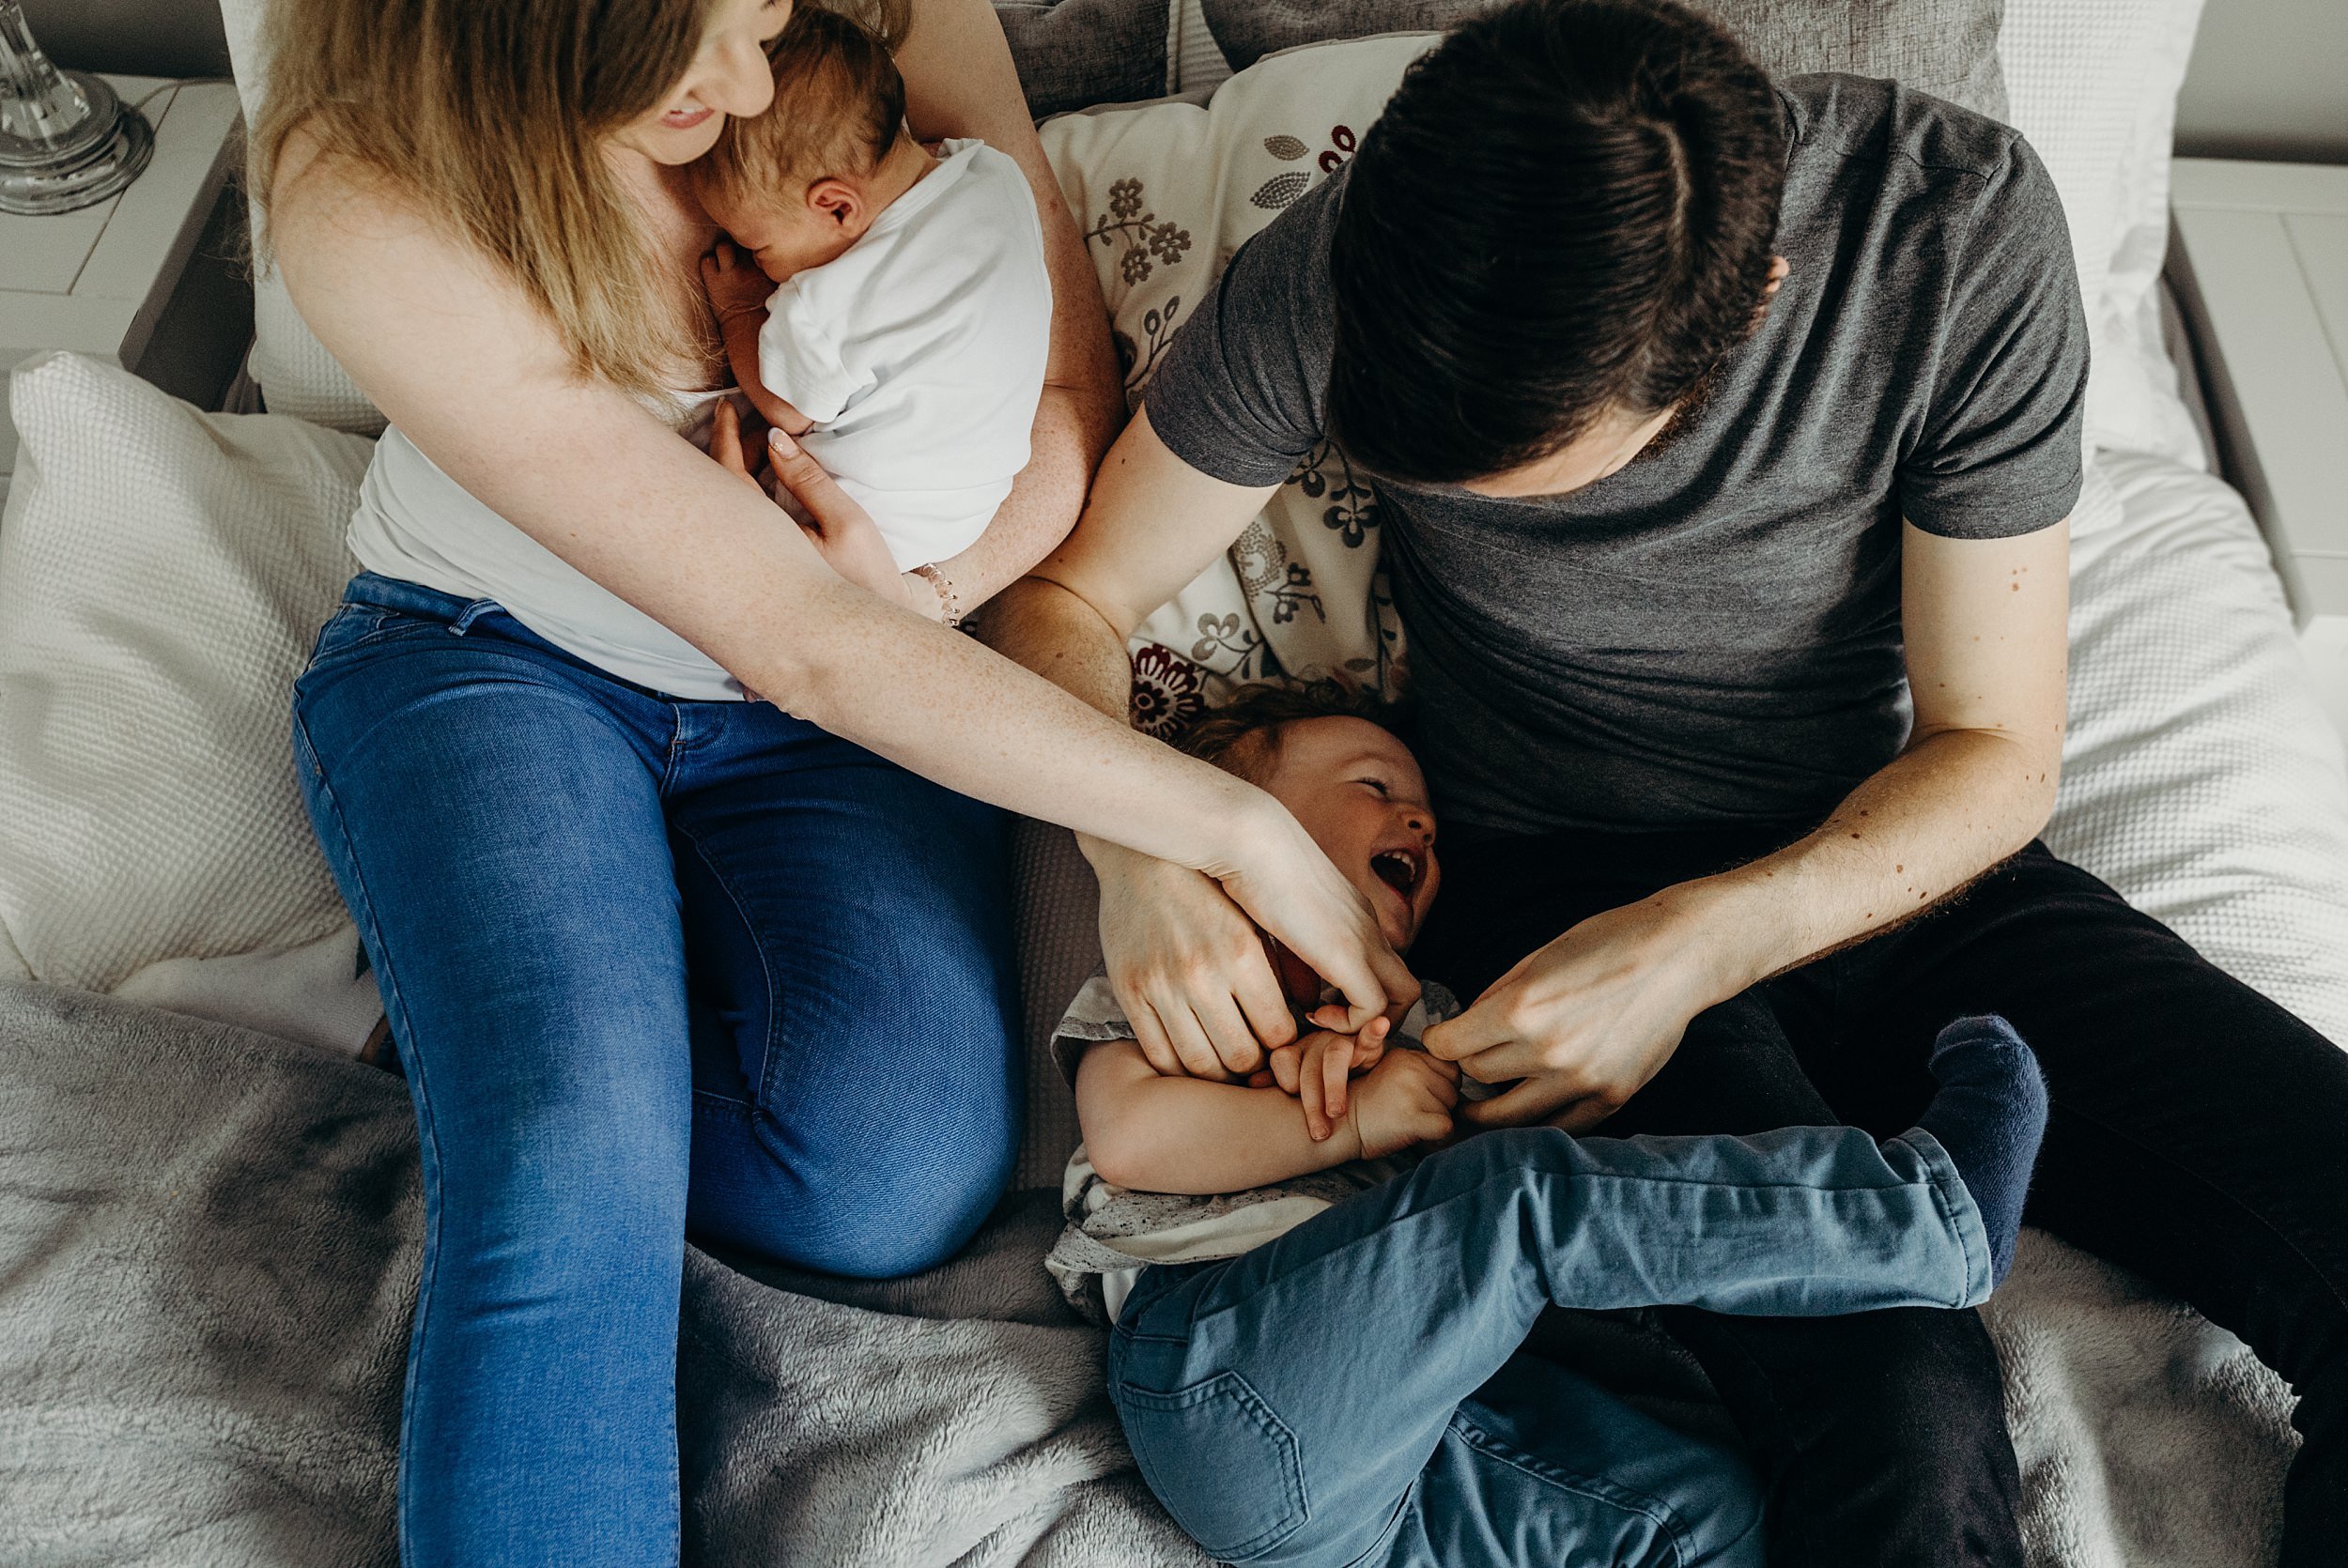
x=81, y=167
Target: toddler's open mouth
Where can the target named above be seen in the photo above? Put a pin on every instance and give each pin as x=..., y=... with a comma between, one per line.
x=1401, y=869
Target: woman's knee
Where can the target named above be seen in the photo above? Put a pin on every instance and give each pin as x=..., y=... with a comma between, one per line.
x=606, y=1161
x=908, y=1205
x=880, y=1246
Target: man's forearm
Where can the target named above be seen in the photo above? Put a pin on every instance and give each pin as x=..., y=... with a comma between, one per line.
x=1912, y=835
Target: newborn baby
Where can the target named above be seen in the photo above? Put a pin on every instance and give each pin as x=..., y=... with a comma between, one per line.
x=906, y=345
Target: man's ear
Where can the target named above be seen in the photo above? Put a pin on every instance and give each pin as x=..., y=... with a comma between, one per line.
x=836, y=201
x=1778, y=271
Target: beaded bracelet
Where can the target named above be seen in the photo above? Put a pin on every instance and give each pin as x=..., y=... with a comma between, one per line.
x=947, y=599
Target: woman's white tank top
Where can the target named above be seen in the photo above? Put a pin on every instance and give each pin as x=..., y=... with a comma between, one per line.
x=415, y=522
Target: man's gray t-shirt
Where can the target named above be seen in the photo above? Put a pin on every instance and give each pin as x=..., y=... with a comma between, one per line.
x=1710, y=635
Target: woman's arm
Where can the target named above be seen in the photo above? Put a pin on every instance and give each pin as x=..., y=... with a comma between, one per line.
x=960, y=82
x=452, y=353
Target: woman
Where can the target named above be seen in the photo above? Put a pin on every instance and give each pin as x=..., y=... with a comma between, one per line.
x=653, y=955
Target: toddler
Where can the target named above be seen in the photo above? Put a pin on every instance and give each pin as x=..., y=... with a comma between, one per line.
x=1307, y=1329
x=898, y=314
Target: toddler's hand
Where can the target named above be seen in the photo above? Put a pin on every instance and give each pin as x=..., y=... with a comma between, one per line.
x=1317, y=1069
x=1406, y=1100
x=735, y=285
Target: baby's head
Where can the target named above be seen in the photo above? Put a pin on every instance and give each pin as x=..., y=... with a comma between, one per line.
x=801, y=182
x=1331, y=757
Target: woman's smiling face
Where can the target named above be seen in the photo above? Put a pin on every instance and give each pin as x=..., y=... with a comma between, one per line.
x=728, y=76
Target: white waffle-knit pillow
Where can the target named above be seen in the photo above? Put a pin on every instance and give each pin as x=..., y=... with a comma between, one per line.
x=162, y=574
x=2094, y=84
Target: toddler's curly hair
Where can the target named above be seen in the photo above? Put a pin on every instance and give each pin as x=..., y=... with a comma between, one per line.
x=1242, y=735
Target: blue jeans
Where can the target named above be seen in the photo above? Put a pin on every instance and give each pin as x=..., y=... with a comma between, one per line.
x=651, y=966
x=1353, y=1393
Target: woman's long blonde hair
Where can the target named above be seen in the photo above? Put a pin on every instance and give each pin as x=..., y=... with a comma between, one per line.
x=491, y=116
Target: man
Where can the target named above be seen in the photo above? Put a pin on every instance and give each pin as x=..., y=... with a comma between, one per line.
x=1724, y=434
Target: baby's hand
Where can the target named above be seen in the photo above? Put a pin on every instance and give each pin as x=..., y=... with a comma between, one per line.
x=735, y=285
x=1406, y=1100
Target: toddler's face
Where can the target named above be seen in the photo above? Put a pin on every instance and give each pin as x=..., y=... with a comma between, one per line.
x=1357, y=790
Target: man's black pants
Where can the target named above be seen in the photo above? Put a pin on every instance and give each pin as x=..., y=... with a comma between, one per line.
x=2198, y=1136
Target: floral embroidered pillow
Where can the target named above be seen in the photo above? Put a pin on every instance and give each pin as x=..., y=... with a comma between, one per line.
x=1165, y=193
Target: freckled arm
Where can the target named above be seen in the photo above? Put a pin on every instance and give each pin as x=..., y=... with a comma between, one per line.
x=1985, y=622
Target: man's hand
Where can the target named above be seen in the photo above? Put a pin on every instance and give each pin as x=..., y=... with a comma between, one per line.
x=1586, y=1021
x=1407, y=1099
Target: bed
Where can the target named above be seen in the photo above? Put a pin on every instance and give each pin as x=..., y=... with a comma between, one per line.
x=209, y=1215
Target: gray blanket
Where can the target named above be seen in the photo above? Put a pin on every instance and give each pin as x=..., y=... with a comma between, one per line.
x=207, y=1259
x=209, y=1245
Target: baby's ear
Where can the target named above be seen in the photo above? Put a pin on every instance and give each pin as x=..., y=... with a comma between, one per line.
x=836, y=201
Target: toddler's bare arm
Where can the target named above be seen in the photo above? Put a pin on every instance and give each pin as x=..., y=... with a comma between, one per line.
x=1159, y=1134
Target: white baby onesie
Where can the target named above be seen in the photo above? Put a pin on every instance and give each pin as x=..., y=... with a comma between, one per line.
x=918, y=352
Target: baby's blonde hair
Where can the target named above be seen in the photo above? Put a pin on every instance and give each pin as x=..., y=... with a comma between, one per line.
x=840, y=106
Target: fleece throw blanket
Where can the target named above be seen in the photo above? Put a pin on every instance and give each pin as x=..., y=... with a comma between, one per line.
x=209, y=1247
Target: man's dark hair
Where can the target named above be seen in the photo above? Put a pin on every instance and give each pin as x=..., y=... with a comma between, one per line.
x=1567, y=208
x=1242, y=735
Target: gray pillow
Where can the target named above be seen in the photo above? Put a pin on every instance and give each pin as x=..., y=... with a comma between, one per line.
x=1074, y=53
x=1948, y=48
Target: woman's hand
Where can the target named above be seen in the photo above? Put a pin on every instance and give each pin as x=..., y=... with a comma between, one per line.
x=1186, y=957
x=1188, y=965
x=839, y=529
x=1586, y=1021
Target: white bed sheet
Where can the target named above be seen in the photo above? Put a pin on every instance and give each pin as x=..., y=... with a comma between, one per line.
x=2202, y=777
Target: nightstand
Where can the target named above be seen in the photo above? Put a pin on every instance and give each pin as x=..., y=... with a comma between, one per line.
x=152, y=279
x=2261, y=270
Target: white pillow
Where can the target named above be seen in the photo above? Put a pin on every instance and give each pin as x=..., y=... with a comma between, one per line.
x=2200, y=776
x=162, y=572
x=2094, y=84
x=1165, y=193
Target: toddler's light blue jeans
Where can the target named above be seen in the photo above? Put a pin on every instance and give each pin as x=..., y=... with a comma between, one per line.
x=1353, y=1393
